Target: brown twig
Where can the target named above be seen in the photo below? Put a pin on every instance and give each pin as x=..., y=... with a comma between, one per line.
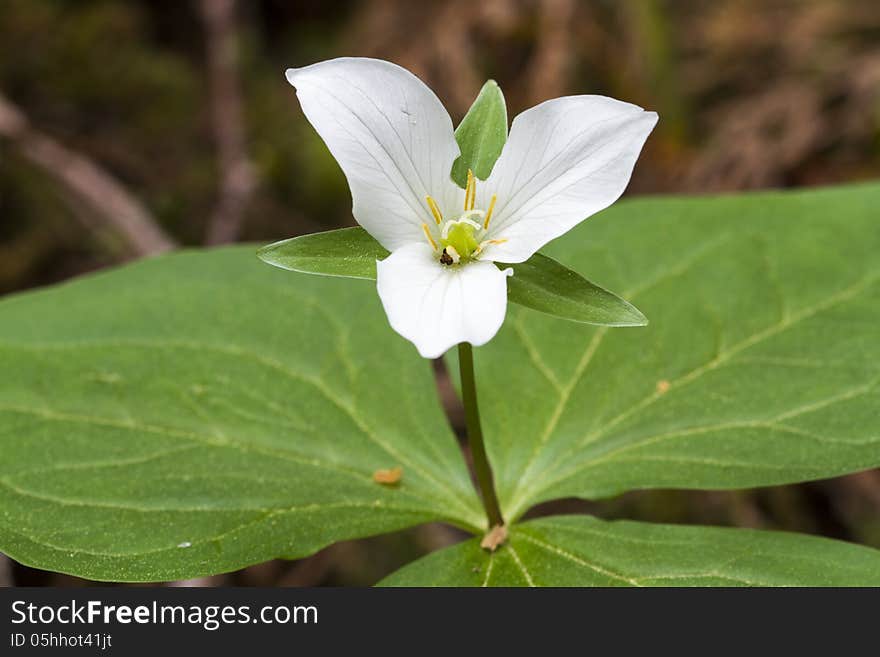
x=110, y=203
x=237, y=177
x=550, y=66
x=865, y=484
x=312, y=570
x=5, y=571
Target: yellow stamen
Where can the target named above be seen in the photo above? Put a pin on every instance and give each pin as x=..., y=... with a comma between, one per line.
x=479, y=249
x=428, y=235
x=438, y=216
x=489, y=211
x=470, y=192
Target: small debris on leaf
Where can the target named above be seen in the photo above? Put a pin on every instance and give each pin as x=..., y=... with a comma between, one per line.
x=496, y=536
x=662, y=387
x=388, y=477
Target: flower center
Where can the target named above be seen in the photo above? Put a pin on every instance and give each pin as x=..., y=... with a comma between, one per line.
x=461, y=239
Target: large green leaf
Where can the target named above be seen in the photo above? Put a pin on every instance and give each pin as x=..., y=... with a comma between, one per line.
x=585, y=551
x=481, y=134
x=760, y=366
x=540, y=283
x=200, y=412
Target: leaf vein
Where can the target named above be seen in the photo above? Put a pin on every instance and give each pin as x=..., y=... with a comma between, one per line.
x=578, y=560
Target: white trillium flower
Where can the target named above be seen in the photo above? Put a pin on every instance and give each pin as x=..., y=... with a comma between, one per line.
x=564, y=160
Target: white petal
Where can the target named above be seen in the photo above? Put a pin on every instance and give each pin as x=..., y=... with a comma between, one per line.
x=565, y=159
x=434, y=306
x=391, y=136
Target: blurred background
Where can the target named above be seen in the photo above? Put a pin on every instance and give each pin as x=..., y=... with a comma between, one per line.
x=131, y=127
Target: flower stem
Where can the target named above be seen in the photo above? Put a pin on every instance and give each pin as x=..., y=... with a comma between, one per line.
x=482, y=468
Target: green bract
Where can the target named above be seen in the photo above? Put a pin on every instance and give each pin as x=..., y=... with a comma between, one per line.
x=540, y=283
x=481, y=134
x=199, y=412
x=347, y=252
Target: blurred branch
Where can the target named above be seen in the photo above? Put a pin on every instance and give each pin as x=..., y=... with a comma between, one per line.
x=453, y=45
x=866, y=484
x=5, y=571
x=110, y=202
x=20, y=255
x=312, y=570
x=440, y=51
x=550, y=66
x=653, y=62
x=237, y=177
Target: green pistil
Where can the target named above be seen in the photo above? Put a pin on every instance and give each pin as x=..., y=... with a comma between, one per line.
x=461, y=237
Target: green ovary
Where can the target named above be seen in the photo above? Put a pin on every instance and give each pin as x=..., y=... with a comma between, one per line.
x=461, y=237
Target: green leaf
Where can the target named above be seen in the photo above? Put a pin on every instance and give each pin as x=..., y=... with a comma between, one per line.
x=540, y=283
x=586, y=551
x=196, y=413
x=347, y=252
x=481, y=135
x=543, y=284
x=761, y=365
